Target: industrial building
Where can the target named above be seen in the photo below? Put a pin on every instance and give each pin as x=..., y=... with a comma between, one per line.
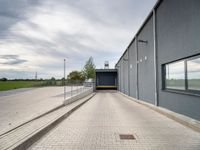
x=161, y=65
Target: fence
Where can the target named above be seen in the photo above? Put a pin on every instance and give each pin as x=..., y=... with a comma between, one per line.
x=76, y=87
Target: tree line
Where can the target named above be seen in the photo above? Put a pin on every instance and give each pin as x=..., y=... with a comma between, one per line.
x=74, y=77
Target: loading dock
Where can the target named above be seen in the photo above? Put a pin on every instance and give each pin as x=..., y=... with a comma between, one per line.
x=106, y=78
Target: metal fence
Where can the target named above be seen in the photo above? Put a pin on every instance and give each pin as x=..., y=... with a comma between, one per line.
x=76, y=87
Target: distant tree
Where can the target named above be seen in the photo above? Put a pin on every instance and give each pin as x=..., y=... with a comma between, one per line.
x=53, y=79
x=62, y=81
x=89, y=69
x=75, y=76
x=3, y=79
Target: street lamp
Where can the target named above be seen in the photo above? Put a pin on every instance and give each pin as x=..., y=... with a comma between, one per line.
x=64, y=81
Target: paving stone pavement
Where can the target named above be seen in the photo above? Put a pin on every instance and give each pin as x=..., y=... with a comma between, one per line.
x=98, y=123
x=19, y=106
x=15, y=137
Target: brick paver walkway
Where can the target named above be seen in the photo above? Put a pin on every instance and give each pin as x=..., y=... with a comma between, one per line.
x=98, y=123
x=17, y=136
x=19, y=106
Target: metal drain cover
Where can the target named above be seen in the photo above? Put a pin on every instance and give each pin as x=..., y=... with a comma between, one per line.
x=126, y=137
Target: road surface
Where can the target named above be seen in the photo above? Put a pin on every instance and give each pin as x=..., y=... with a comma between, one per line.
x=100, y=121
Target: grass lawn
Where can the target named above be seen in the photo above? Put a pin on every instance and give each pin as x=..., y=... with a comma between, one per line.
x=9, y=85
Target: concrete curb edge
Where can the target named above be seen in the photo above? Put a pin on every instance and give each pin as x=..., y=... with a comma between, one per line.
x=34, y=118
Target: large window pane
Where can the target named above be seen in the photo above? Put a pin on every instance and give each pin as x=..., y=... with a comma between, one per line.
x=175, y=76
x=193, y=67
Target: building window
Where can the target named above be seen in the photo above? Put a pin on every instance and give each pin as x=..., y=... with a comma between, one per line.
x=183, y=75
x=193, y=74
x=175, y=76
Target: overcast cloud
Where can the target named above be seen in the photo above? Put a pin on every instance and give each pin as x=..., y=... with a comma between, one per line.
x=36, y=35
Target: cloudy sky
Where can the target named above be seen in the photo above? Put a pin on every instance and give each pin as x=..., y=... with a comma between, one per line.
x=36, y=35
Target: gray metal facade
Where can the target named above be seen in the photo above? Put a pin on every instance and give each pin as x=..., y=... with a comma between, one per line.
x=132, y=71
x=125, y=72
x=177, y=36
x=146, y=63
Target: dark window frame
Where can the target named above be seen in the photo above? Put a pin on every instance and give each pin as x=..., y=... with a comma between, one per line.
x=186, y=90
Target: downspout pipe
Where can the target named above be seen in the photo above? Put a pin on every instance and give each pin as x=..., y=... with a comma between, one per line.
x=127, y=60
x=119, y=77
x=129, y=93
x=136, y=49
x=155, y=58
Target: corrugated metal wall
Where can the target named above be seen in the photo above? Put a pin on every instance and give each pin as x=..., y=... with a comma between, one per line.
x=146, y=63
x=178, y=34
x=178, y=37
x=126, y=73
x=133, y=70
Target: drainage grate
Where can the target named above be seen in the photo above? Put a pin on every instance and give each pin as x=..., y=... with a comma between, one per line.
x=126, y=137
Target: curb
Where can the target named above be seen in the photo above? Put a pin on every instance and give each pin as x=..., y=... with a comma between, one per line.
x=29, y=140
x=41, y=115
x=182, y=119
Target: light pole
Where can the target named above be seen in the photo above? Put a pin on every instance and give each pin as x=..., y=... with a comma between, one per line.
x=64, y=82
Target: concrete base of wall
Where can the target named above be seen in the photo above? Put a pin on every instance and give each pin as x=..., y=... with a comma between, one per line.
x=184, y=120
